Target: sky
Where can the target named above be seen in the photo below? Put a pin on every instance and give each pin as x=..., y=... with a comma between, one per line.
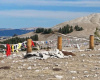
x=43, y=13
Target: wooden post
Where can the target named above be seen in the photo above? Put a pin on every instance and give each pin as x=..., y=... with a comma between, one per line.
x=29, y=48
x=60, y=43
x=91, y=42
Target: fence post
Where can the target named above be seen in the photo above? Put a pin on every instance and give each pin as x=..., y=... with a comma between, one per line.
x=29, y=48
x=60, y=43
x=91, y=42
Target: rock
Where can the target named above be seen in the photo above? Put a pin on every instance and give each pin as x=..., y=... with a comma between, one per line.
x=57, y=69
x=19, y=56
x=34, y=64
x=20, y=75
x=60, y=54
x=73, y=71
x=37, y=70
x=5, y=67
x=28, y=56
x=29, y=67
x=58, y=76
x=68, y=53
x=56, y=64
x=23, y=54
x=46, y=68
x=24, y=64
x=83, y=55
x=44, y=56
x=56, y=53
x=20, y=67
x=1, y=58
x=66, y=56
x=95, y=75
x=2, y=61
x=83, y=60
x=4, y=55
x=86, y=75
x=85, y=71
x=73, y=77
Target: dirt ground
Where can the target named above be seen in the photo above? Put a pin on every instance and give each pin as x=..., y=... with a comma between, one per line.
x=84, y=66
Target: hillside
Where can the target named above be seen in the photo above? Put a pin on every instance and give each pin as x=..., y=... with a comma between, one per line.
x=89, y=24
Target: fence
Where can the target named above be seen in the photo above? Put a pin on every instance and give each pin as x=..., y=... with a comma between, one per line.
x=66, y=42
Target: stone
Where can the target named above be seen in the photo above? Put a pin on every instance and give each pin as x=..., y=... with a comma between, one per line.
x=2, y=61
x=68, y=53
x=29, y=68
x=5, y=67
x=58, y=76
x=57, y=69
x=73, y=71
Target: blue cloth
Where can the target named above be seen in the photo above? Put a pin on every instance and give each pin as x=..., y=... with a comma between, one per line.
x=46, y=42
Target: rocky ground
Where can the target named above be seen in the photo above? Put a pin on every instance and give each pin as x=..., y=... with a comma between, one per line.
x=84, y=66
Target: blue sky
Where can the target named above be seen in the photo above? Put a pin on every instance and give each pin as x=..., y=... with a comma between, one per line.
x=43, y=13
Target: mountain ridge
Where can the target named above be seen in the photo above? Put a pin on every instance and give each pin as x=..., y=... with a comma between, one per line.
x=89, y=24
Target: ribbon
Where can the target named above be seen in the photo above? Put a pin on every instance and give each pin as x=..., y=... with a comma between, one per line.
x=12, y=48
x=8, y=50
x=32, y=44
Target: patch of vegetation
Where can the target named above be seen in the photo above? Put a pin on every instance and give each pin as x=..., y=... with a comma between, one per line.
x=68, y=29
x=77, y=28
x=97, y=36
x=96, y=33
x=39, y=30
x=15, y=35
x=35, y=37
x=19, y=40
x=43, y=30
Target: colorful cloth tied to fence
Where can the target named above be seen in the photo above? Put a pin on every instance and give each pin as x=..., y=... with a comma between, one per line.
x=8, y=50
x=32, y=44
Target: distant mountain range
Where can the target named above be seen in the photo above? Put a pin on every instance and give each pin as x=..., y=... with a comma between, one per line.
x=11, y=32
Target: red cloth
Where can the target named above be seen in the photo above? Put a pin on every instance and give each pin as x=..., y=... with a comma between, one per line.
x=8, y=50
x=32, y=44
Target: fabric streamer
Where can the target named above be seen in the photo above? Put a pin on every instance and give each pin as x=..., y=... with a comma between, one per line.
x=4, y=51
x=5, y=45
x=15, y=47
x=32, y=44
x=18, y=46
x=78, y=46
x=46, y=42
x=8, y=50
x=12, y=48
x=23, y=44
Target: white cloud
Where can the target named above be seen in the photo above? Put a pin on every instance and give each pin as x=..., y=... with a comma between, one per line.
x=81, y=3
x=43, y=14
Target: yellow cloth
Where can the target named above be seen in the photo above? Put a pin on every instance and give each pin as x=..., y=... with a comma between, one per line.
x=19, y=46
x=12, y=48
